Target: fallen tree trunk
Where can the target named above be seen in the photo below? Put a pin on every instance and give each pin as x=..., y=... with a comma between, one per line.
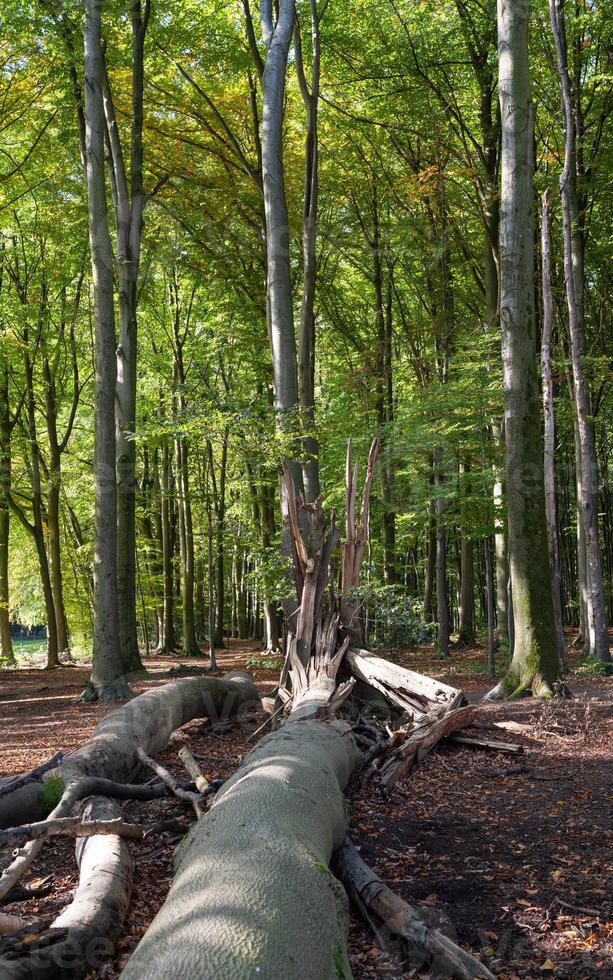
x=252, y=893
x=83, y=936
x=399, y=928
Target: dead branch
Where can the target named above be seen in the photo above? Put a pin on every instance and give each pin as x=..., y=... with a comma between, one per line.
x=171, y=783
x=194, y=770
x=398, y=927
x=31, y=777
x=422, y=741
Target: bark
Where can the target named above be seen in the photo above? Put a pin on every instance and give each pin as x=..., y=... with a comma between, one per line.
x=549, y=438
x=277, y=38
x=146, y=723
x=37, y=527
x=424, y=738
x=430, y=563
x=129, y=201
x=168, y=639
x=597, y=622
x=306, y=361
x=6, y=641
x=107, y=666
x=534, y=664
x=284, y=808
x=467, y=594
x=442, y=603
x=501, y=545
x=489, y=586
x=86, y=931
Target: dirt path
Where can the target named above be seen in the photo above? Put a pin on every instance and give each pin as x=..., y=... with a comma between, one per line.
x=516, y=863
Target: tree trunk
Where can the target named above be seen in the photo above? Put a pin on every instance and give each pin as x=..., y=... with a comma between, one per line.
x=597, y=622
x=535, y=663
x=430, y=563
x=549, y=439
x=107, y=666
x=489, y=586
x=284, y=808
x=277, y=38
x=467, y=593
x=6, y=641
x=442, y=603
x=129, y=202
x=169, y=641
x=501, y=545
x=306, y=362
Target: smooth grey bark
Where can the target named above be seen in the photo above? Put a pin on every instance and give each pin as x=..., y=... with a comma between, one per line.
x=107, y=667
x=277, y=36
x=534, y=664
x=466, y=626
x=270, y=833
x=597, y=622
x=489, y=589
x=501, y=544
x=549, y=430
x=129, y=201
x=306, y=359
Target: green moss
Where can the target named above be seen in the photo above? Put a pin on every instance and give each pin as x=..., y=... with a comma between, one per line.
x=339, y=965
x=321, y=867
x=51, y=793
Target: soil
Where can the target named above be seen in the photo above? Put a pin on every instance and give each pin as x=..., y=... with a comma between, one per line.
x=516, y=864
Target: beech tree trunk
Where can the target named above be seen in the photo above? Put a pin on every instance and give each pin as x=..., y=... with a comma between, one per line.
x=549, y=438
x=306, y=362
x=107, y=666
x=6, y=641
x=169, y=641
x=129, y=202
x=442, y=603
x=597, y=621
x=535, y=662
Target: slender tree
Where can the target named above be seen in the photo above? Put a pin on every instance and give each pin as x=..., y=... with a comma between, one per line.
x=106, y=680
x=549, y=430
x=588, y=482
x=534, y=664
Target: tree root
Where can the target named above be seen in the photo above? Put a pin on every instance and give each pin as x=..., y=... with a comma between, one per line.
x=398, y=927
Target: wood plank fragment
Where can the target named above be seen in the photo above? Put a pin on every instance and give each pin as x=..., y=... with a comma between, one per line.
x=422, y=741
x=485, y=743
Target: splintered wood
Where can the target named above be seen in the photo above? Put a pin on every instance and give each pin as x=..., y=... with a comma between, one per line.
x=415, y=693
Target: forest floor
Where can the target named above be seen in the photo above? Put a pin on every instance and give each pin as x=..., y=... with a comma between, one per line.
x=515, y=863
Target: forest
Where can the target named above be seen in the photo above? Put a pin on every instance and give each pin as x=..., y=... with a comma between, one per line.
x=306, y=512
